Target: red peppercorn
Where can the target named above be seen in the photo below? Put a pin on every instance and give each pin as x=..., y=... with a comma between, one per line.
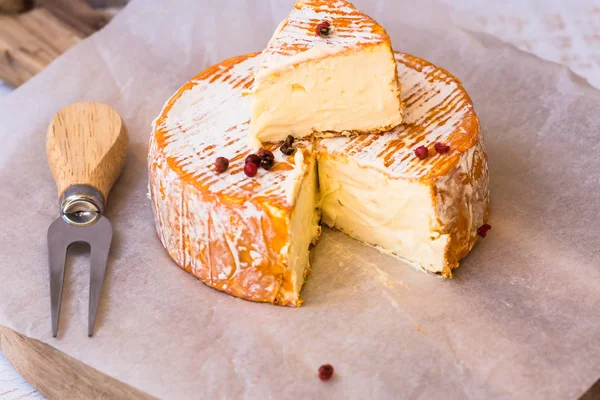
x=221, y=164
x=323, y=28
x=421, y=152
x=483, y=230
x=325, y=372
x=254, y=159
x=250, y=169
x=442, y=148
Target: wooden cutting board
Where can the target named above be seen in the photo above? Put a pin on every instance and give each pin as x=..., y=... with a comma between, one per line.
x=59, y=376
x=30, y=41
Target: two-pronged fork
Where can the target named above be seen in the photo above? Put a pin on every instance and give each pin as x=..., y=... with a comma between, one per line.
x=86, y=147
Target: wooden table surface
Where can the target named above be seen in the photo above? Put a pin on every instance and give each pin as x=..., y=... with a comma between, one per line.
x=565, y=32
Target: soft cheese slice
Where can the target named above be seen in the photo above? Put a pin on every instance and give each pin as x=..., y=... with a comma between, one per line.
x=307, y=83
x=249, y=237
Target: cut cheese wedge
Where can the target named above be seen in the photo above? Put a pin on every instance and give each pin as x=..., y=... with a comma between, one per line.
x=309, y=83
x=250, y=236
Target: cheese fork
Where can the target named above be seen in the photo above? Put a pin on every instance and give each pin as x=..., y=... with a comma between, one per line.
x=86, y=148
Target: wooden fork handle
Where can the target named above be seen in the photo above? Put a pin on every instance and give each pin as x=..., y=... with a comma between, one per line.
x=86, y=144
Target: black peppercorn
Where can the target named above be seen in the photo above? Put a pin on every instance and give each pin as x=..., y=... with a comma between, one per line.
x=286, y=149
x=267, y=163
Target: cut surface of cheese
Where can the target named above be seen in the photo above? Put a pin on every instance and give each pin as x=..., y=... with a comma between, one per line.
x=340, y=83
x=250, y=237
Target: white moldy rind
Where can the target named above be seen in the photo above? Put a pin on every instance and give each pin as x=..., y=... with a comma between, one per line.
x=293, y=40
x=226, y=247
x=216, y=115
x=420, y=96
x=462, y=202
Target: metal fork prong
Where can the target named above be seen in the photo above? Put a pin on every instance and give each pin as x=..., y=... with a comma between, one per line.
x=101, y=237
x=57, y=255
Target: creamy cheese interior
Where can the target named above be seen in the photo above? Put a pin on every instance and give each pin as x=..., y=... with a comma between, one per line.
x=304, y=227
x=395, y=215
x=353, y=91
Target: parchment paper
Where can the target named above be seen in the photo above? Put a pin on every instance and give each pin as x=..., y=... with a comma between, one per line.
x=521, y=318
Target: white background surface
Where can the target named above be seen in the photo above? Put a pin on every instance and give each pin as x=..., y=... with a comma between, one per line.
x=566, y=32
